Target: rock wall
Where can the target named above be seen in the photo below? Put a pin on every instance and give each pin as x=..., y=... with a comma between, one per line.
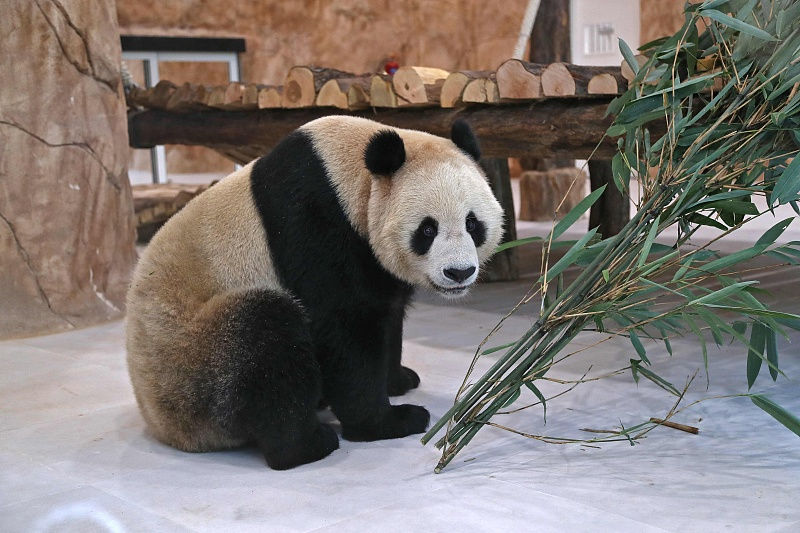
x=352, y=35
x=66, y=226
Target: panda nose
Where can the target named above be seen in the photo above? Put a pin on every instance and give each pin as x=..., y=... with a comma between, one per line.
x=459, y=274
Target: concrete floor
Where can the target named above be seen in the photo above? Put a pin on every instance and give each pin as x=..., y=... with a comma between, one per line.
x=75, y=455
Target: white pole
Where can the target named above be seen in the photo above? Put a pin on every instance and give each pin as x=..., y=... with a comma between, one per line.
x=525, y=29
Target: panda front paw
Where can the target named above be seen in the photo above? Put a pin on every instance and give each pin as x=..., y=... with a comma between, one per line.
x=399, y=421
x=401, y=381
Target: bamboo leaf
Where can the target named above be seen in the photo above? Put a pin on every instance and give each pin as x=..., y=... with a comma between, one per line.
x=772, y=353
x=539, y=395
x=498, y=348
x=648, y=242
x=638, y=346
x=721, y=294
x=777, y=412
x=755, y=354
x=577, y=212
x=736, y=24
x=570, y=256
x=515, y=243
x=627, y=54
x=787, y=187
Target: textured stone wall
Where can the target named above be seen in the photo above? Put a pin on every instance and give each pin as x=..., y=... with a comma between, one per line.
x=660, y=18
x=351, y=35
x=66, y=227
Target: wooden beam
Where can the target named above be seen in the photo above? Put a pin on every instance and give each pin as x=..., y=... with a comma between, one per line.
x=550, y=128
x=503, y=266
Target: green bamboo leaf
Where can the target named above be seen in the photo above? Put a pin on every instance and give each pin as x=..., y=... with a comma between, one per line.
x=655, y=378
x=755, y=355
x=777, y=412
x=787, y=188
x=740, y=327
x=756, y=312
x=772, y=353
x=627, y=53
x=667, y=345
x=515, y=243
x=498, y=348
x=648, y=243
x=736, y=24
x=570, y=256
x=638, y=346
x=722, y=293
x=539, y=395
x=605, y=275
x=577, y=212
x=772, y=234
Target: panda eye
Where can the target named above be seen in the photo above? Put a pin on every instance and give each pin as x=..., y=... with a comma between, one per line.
x=472, y=223
x=429, y=231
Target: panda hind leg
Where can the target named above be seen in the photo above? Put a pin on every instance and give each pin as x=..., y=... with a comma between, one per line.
x=268, y=383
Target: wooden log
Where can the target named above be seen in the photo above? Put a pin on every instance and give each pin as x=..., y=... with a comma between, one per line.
x=358, y=96
x=503, y=266
x=182, y=99
x=270, y=97
x=606, y=83
x=336, y=93
x=561, y=79
x=381, y=93
x=456, y=82
x=550, y=194
x=303, y=83
x=612, y=210
x=552, y=128
x=250, y=96
x=158, y=96
x=481, y=91
x=519, y=80
x=418, y=85
x=216, y=97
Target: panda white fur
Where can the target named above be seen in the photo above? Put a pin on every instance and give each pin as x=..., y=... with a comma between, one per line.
x=287, y=282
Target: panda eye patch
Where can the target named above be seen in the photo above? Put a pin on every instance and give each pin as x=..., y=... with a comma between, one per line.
x=476, y=229
x=423, y=236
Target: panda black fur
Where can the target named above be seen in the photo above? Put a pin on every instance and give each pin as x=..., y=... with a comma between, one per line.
x=287, y=282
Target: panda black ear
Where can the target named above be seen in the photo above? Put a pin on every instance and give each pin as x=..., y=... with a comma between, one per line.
x=385, y=153
x=462, y=136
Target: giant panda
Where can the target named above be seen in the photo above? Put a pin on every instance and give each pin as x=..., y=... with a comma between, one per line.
x=286, y=283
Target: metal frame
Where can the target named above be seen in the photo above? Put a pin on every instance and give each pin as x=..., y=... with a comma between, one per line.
x=151, y=60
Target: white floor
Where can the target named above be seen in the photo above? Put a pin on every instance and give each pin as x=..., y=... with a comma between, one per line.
x=75, y=456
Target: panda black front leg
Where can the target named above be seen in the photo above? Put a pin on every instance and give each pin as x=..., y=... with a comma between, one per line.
x=355, y=369
x=401, y=379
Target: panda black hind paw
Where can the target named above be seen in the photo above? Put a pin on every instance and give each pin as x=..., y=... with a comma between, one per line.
x=401, y=381
x=399, y=421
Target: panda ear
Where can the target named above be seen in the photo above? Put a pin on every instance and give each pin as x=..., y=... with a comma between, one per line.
x=462, y=136
x=385, y=153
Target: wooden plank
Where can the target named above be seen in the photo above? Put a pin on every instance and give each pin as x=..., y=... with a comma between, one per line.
x=548, y=128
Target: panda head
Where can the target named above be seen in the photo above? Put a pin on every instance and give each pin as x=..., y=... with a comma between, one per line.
x=432, y=218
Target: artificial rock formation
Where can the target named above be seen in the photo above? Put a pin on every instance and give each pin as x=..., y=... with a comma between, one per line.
x=66, y=224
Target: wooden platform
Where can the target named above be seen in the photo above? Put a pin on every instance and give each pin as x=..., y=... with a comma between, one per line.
x=154, y=204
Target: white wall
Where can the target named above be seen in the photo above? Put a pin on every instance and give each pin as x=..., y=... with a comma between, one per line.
x=621, y=18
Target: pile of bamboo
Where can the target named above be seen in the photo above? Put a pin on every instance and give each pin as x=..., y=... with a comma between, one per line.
x=410, y=86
